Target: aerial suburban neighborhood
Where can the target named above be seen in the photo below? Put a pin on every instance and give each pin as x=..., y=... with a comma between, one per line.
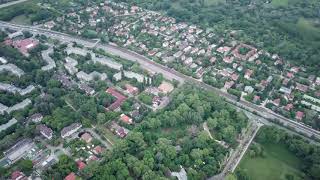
x=114, y=90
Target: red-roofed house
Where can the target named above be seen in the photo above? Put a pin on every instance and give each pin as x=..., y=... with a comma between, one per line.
x=93, y=158
x=248, y=73
x=71, y=176
x=120, y=99
x=120, y=131
x=81, y=165
x=213, y=60
x=228, y=84
x=97, y=150
x=234, y=76
x=86, y=137
x=276, y=102
x=290, y=75
x=302, y=87
x=131, y=89
x=256, y=98
x=228, y=59
x=24, y=46
x=258, y=62
x=299, y=115
x=295, y=69
x=17, y=175
x=126, y=119
x=288, y=107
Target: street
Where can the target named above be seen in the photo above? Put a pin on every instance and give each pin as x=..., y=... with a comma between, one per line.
x=168, y=74
x=11, y=3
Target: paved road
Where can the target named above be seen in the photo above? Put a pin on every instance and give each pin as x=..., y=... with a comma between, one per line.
x=236, y=156
x=11, y=3
x=169, y=74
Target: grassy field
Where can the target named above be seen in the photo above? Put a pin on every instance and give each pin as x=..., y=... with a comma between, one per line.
x=21, y=19
x=307, y=29
x=277, y=163
x=108, y=134
x=280, y=2
x=213, y=2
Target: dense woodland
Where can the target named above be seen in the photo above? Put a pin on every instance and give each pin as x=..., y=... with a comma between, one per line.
x=171, y=137
x=289, y=28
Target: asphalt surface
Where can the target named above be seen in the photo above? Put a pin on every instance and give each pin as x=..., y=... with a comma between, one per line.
x=11, y=3
x=169, y=74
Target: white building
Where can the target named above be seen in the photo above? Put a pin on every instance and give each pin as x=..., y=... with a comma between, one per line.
x=70, y=65
x=19, y=106
x=108, y=62
x=50, y=62
x=8, y=124
x=69, y=130
x=11, y=68
x=3, y=60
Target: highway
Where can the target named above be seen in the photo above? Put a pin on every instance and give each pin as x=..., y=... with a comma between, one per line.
x=11, y=3
x=169, y=74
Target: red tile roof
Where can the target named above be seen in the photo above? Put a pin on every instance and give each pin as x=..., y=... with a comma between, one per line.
x=81, y=165
x=25, y=45
x=71, y=176
x=299, y=115
x=126, y=119
x=120, y=98
x=131, y=89
x=86, y=137
x=17, y=175
x=288, y=107
x=98, y=150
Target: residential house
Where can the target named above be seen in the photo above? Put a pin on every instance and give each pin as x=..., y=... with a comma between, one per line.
x=98, y=150
x=288, y=107
x=131, y=89
x=86, y=137
x=120, y=131
x=299, y=115
x=37, y=117
x=248, y=73
x=81, y=165
x=69, y=130
x=126, y=119
x=71, y=176
x=228, y=84
x=120, y=99
x=45, y=131
x=87, y=89
x=276, y=102
x=301, y=87
x=18, y=175
x=285, y=90
x=248, y=89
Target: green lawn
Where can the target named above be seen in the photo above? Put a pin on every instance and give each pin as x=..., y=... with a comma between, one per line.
x=108, y=135
x=21, y=19
x=277, y=163
x=280, y=2
x=307, y=29
x=213, y=2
